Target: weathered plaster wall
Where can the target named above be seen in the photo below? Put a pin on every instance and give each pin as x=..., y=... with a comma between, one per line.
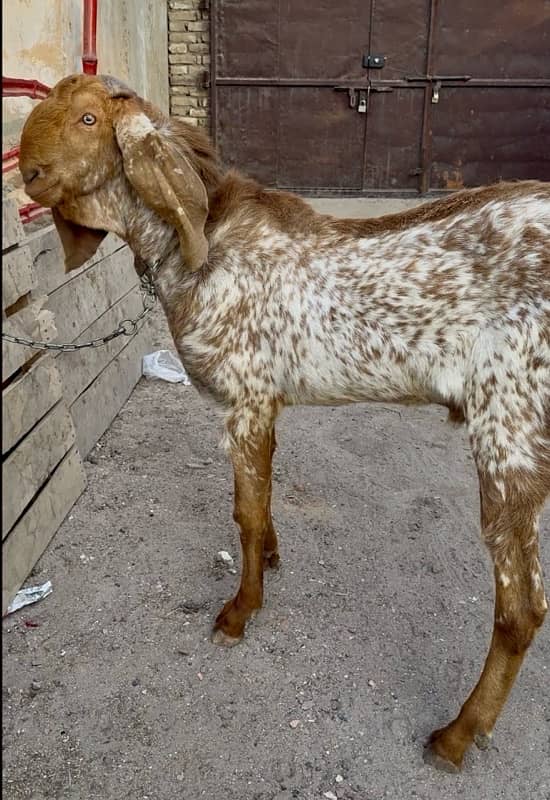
x=42, y=39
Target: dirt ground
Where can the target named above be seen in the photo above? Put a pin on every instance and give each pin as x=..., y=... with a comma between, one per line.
x=373, y=631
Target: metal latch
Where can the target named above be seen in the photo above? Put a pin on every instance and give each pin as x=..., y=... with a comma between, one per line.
x=435, y=91
x=373, y=62
x=358, y=98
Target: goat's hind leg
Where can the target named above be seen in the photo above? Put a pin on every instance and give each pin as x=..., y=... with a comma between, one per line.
x=509, y=518
x=271, y=544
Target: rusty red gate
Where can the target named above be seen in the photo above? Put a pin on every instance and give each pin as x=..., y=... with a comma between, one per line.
x=381, y=96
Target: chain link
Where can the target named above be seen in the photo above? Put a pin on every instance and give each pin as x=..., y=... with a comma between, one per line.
x=128, y=327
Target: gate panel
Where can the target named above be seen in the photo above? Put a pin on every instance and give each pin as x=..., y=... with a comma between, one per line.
x=400, y=32
x=321, y=140
x=477, y=140
x=292, y=137
x=247, y=133
x=493, y=38
x=394, y=136
x=323, y=39
x=275, y=111
x=247, y=38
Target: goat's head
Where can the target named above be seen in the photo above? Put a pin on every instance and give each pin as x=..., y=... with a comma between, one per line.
x=91, y=130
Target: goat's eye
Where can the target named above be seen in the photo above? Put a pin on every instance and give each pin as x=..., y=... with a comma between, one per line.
x=88, y=119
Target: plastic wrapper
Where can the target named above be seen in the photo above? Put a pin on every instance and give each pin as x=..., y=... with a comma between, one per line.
x=165, y=366
x=32, y=594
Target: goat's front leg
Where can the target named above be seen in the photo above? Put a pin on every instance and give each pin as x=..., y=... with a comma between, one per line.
x=251, y=455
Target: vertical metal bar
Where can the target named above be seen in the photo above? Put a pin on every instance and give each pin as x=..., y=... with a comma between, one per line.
x=367, y=115
x=426, y=135
x=213, y=71
x=278, y=95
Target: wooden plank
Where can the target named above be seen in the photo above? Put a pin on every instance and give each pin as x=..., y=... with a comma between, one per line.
x=16, y=275
x=49, y=259
x=27, y=399
x=32, y=534
x=27, y=468
x=12, y=229
x=96, y=408
x=32, y=322
x=80, y=368
x=80, y=301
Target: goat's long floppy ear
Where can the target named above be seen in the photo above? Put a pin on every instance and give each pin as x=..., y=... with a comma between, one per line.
x=165, y=180
x=79, y=243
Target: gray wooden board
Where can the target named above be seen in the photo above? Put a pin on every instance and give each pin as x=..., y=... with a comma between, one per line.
x=79, y=369
x=49, y=259
x=27, y=399
x=32, y=534
x=32, y=322
x=27, y=468
x=80, y=301
x=12, y=229
x=17, y=279
x=96, y=408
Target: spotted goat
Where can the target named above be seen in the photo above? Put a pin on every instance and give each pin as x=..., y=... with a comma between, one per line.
x=271, y=304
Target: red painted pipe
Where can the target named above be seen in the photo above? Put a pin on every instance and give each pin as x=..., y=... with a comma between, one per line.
x=21, y=87
x=9, y=159
x=89, y=55
x=32, y=211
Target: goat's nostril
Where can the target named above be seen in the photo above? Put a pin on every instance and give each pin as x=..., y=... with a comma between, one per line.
x=31, y=173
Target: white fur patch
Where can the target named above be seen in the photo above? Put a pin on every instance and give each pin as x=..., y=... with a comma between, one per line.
x=504, y=580
x=134, y=126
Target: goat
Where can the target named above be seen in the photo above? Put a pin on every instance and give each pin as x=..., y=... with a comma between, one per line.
x=271, y=304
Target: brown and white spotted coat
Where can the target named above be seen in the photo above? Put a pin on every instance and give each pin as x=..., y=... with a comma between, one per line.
x=271, y=304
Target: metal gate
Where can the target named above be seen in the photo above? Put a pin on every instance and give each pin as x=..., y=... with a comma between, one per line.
x=382, y=96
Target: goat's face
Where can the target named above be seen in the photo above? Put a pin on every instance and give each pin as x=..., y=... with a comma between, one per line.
x=91, y=129
x=68, y=144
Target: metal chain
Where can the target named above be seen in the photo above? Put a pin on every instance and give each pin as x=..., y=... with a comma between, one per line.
x=128, y=327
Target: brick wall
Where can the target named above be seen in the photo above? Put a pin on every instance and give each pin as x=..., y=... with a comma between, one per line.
x=189, y=59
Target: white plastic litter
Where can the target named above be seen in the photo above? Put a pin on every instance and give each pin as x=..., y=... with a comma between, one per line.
x=164, y=365
x=32, y=594
x=223, y=557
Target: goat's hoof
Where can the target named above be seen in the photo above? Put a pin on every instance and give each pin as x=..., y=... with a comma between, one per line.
x=438, y=761
x=442, y=752
x=272, y=560
x=223, y=639
x=483, y=740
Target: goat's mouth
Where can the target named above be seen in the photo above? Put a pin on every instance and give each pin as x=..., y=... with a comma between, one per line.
x=46, y=196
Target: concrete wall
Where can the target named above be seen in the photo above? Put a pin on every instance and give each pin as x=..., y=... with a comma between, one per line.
x=42, y=39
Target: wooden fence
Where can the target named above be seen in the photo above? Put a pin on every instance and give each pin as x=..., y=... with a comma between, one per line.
x=55, y=407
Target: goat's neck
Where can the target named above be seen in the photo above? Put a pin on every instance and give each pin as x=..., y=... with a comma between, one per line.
x=117, y=208
x=156, y=243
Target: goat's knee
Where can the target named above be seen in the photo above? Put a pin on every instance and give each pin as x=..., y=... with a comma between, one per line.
x=517, y=630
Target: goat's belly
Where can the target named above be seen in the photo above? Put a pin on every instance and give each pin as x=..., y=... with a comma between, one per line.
x=332, y=378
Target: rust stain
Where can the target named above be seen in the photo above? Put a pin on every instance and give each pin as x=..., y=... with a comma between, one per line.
x=49, y=54
x=453, y=179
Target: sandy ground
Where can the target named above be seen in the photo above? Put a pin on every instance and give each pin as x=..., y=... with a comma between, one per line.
x=373, y=630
